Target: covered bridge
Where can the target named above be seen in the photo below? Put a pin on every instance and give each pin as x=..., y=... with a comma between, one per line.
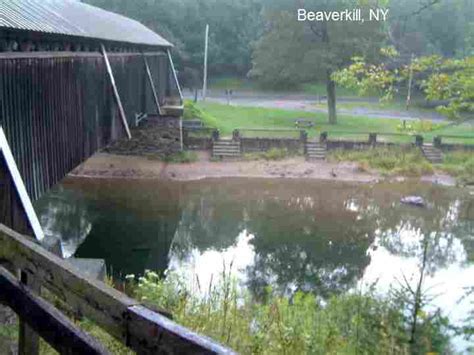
x=73, y=79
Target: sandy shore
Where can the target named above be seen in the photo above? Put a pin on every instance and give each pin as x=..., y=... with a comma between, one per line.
x=104, y=165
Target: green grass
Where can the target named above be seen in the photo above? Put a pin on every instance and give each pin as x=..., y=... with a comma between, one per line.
x=192, y=111
x=227, y=118
x=379, y=106
x=181, y=157
x=461, y=165
x=271, y=154
x=388, y=161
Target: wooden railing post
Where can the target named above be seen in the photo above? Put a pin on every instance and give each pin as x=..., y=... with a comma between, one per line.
x=28, y=340
x=142, y=330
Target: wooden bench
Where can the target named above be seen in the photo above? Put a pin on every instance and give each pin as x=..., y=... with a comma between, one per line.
x=300, y=123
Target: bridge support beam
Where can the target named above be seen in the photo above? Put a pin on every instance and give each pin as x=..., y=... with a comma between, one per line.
x=116, y=93
x=153, y=87
x=16, y=208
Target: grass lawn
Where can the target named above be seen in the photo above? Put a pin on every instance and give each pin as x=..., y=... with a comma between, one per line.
x=227, y=118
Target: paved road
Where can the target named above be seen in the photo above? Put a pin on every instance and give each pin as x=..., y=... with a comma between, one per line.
x=307, y=103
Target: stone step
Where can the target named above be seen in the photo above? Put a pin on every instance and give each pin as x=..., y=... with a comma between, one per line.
x=316, y=151
x=227, y=143
x=225, y=152
x=226, y=146
x=432, y=154
x=233, y=149
x=227, y=155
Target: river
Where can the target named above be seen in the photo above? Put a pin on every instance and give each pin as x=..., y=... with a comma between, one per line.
x=323, y=237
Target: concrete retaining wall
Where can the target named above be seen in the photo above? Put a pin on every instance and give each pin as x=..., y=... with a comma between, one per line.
x=360, y=145
x=250, y=145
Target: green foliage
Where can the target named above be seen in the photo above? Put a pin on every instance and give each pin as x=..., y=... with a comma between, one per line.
x=8, y=332
x=302, y=324
x=181, y=157
x=236, y=28
x=234, y=25
x=192, y=112
x=368, y=79
x=450, y=80
x=442, y=28
x=453, y=81
x=292, y=52
x=418, y=127
x=393, y=160
x=461, y=165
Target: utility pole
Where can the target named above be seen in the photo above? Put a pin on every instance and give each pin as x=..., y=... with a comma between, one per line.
x=410, y=81
x=206, y=46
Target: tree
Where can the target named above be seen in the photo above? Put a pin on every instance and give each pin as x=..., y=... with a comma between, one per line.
x=291, y=52
x=450, y=81
x=234, y=26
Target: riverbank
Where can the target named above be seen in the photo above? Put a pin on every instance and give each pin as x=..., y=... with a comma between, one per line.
x=104, y=165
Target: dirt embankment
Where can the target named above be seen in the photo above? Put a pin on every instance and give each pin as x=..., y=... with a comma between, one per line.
x=117, y=166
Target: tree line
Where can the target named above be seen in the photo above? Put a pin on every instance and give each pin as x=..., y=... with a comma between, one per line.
x=262, y=39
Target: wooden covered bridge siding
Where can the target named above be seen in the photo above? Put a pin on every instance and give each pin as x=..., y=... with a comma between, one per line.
x=57, y=109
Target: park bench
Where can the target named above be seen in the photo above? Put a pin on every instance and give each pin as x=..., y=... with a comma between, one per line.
x=300, y=123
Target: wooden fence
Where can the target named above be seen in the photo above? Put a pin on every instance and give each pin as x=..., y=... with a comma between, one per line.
x=135, y=326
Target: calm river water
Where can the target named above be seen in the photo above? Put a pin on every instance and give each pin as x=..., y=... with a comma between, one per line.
x=317, y=236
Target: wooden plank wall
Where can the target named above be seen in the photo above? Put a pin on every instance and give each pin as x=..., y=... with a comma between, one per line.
x=12, y=213
x=57, y=109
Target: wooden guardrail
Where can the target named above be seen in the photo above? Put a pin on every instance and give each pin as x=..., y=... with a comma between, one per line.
x=135, y=326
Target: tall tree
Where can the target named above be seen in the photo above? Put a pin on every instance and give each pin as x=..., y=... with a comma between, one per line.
x=292, y=51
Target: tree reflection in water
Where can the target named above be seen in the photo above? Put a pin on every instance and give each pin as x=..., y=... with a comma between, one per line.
x=290, y=234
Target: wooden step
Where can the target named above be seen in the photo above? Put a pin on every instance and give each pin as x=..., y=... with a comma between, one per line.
x=432, y=154
x=316, y=151
x=226, y=148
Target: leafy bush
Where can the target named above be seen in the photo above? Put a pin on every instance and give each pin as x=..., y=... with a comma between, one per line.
x=192, y=112
x=419, y=126
x=302, y=324
x=393, y=160
x=181, y=157
x=461, y=165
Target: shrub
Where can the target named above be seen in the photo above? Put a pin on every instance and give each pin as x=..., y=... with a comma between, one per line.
x=302, y=324
x=192, y=112
x=461, y=165
x=181, y=157
x=392, y=160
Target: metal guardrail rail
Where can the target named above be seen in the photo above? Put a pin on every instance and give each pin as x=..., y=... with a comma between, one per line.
x=135, y=326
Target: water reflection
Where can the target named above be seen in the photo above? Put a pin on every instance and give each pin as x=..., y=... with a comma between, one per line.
x=291, y=235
